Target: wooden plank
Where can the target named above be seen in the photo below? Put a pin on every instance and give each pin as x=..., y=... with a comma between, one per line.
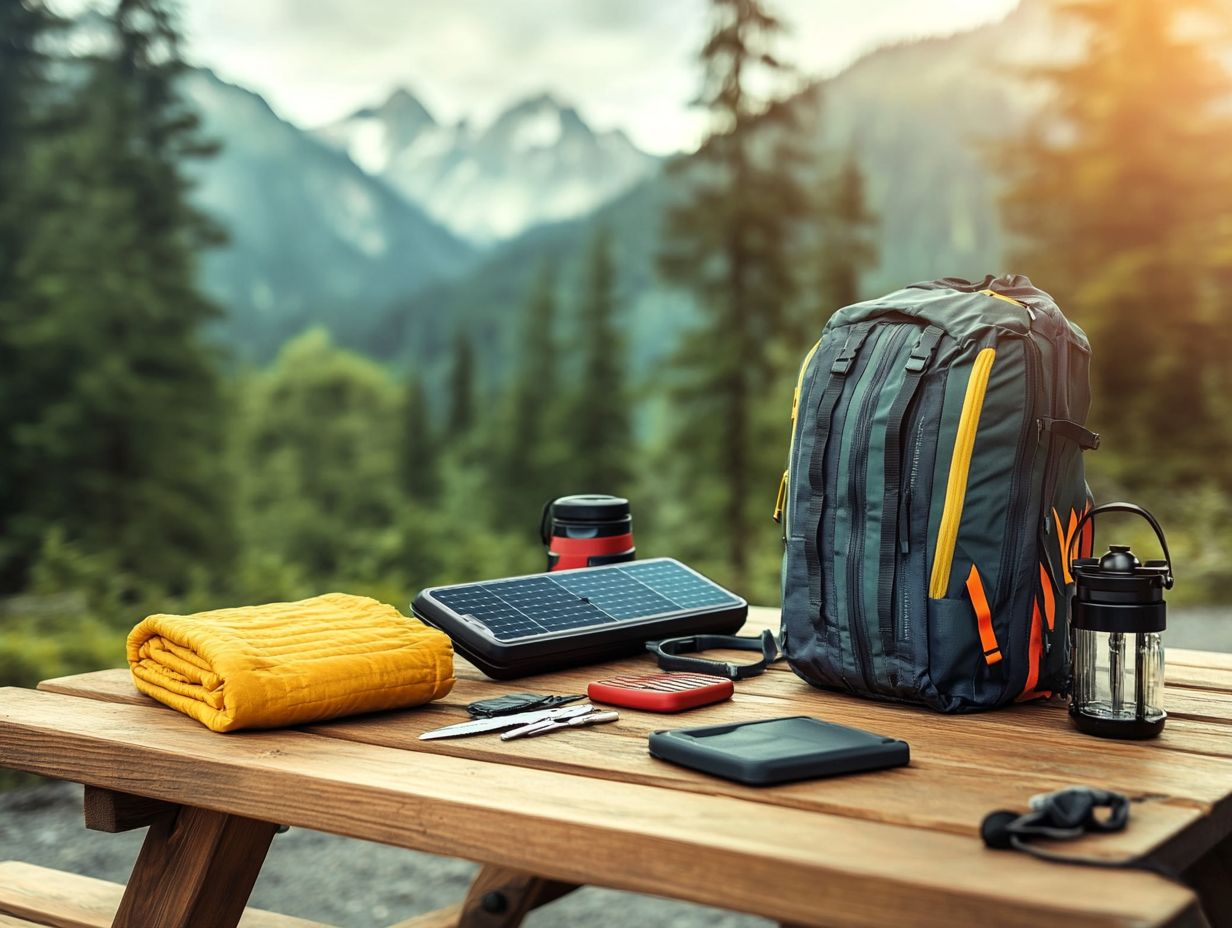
x=106, y=685
x=1211, y=679
x=825, y=869
x=1187, y=657
x=195, y=870
x=112, y=812
x=438, y=918
x=1020, y=738
x=66, y=900
x=1196, y=726
x=964, y=764
x=8, y=921
x=959, y=791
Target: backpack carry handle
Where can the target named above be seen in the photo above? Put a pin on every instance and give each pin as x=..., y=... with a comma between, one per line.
x=1123, y=507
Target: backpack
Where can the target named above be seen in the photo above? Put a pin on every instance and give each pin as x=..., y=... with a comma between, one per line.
x=933, y=487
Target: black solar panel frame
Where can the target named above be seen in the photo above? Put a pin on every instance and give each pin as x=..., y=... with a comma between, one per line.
x=511, y=657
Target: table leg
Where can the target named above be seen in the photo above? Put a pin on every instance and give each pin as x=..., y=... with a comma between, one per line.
x=500, y=898
x=497, y=898
x=196, y=869
x=1211, y=879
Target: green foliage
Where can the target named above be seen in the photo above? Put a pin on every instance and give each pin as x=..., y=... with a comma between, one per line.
x=1121, y=209
x=420, y=477
x=116, y=412
x=532, y=447
x=461, y=388
x=24, y=88
x=600, y=421
x=322, y=462
x=845, y=245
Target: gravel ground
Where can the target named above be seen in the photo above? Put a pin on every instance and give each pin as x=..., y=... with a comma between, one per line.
x=355, y=884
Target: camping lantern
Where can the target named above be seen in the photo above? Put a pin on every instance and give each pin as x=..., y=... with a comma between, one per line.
x=1117, y=619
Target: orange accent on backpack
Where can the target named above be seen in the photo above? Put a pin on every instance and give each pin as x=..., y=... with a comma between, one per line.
x=983, y=617
x=1050, y=602
x=1065, y=538
x=1086, y=545
x=1036, y=650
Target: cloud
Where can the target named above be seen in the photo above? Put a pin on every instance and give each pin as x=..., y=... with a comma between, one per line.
x=625, y=63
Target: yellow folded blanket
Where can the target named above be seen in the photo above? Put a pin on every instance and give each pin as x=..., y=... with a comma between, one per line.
x=289, y=663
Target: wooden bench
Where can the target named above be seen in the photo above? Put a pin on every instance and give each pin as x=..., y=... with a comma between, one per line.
x=38, y=897
x=44, y=898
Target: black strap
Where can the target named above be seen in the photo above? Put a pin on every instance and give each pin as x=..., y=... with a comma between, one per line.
x=917, y=365
x=839, y=370
x=669, y=650
x=1084, y=438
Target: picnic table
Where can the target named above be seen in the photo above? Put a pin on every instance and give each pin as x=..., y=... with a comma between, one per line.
x=591, y=807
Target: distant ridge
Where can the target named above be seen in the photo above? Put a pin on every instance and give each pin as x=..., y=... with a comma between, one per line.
x=312, y=238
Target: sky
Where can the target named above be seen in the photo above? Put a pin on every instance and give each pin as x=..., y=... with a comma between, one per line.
x=627, y=64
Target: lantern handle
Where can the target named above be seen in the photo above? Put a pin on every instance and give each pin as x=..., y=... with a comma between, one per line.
x=1123, y=507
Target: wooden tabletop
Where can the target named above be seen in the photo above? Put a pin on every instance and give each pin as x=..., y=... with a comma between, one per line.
x=591, y=806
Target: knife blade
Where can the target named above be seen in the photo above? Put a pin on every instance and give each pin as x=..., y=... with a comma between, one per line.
x=501, y=722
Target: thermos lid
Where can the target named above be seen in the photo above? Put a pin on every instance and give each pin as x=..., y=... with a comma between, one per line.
x=591, y=507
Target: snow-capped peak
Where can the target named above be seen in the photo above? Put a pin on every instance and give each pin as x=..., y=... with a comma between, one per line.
x=537, y=161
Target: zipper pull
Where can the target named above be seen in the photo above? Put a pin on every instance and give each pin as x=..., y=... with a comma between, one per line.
x=781, y=499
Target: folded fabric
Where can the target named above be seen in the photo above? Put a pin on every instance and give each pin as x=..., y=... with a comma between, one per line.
x=289, y=663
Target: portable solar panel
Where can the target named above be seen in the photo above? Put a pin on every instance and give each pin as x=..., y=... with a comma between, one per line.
x=523, y=625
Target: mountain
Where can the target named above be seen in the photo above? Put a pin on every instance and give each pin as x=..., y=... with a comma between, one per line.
x=537, y=162
x=312, y=238
x=924, y=120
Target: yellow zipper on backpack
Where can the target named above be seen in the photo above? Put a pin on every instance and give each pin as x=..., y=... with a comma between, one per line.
x=781, y=500
x=960, y=465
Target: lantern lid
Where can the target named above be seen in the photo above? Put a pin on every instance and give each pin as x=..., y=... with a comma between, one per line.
x=1118, y=593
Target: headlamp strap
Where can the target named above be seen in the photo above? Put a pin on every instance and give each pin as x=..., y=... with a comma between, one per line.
x=669, y=654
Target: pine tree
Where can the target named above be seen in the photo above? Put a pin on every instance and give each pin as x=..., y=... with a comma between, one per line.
x=420, y=478
x=1120, y=205
x=729, y=244
x=124, y=447
x=846, y=246
x=24, y=25
x=599, y=424
x=25, y=130
x=532, y=455
x=461, y=388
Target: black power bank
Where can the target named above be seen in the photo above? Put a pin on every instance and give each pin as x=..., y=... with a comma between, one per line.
x=778, y=750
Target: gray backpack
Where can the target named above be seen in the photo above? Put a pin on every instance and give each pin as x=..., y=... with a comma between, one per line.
x=933, y=486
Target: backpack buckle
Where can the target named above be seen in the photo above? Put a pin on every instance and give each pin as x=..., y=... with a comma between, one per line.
x=842, y=363
x=922, y=353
